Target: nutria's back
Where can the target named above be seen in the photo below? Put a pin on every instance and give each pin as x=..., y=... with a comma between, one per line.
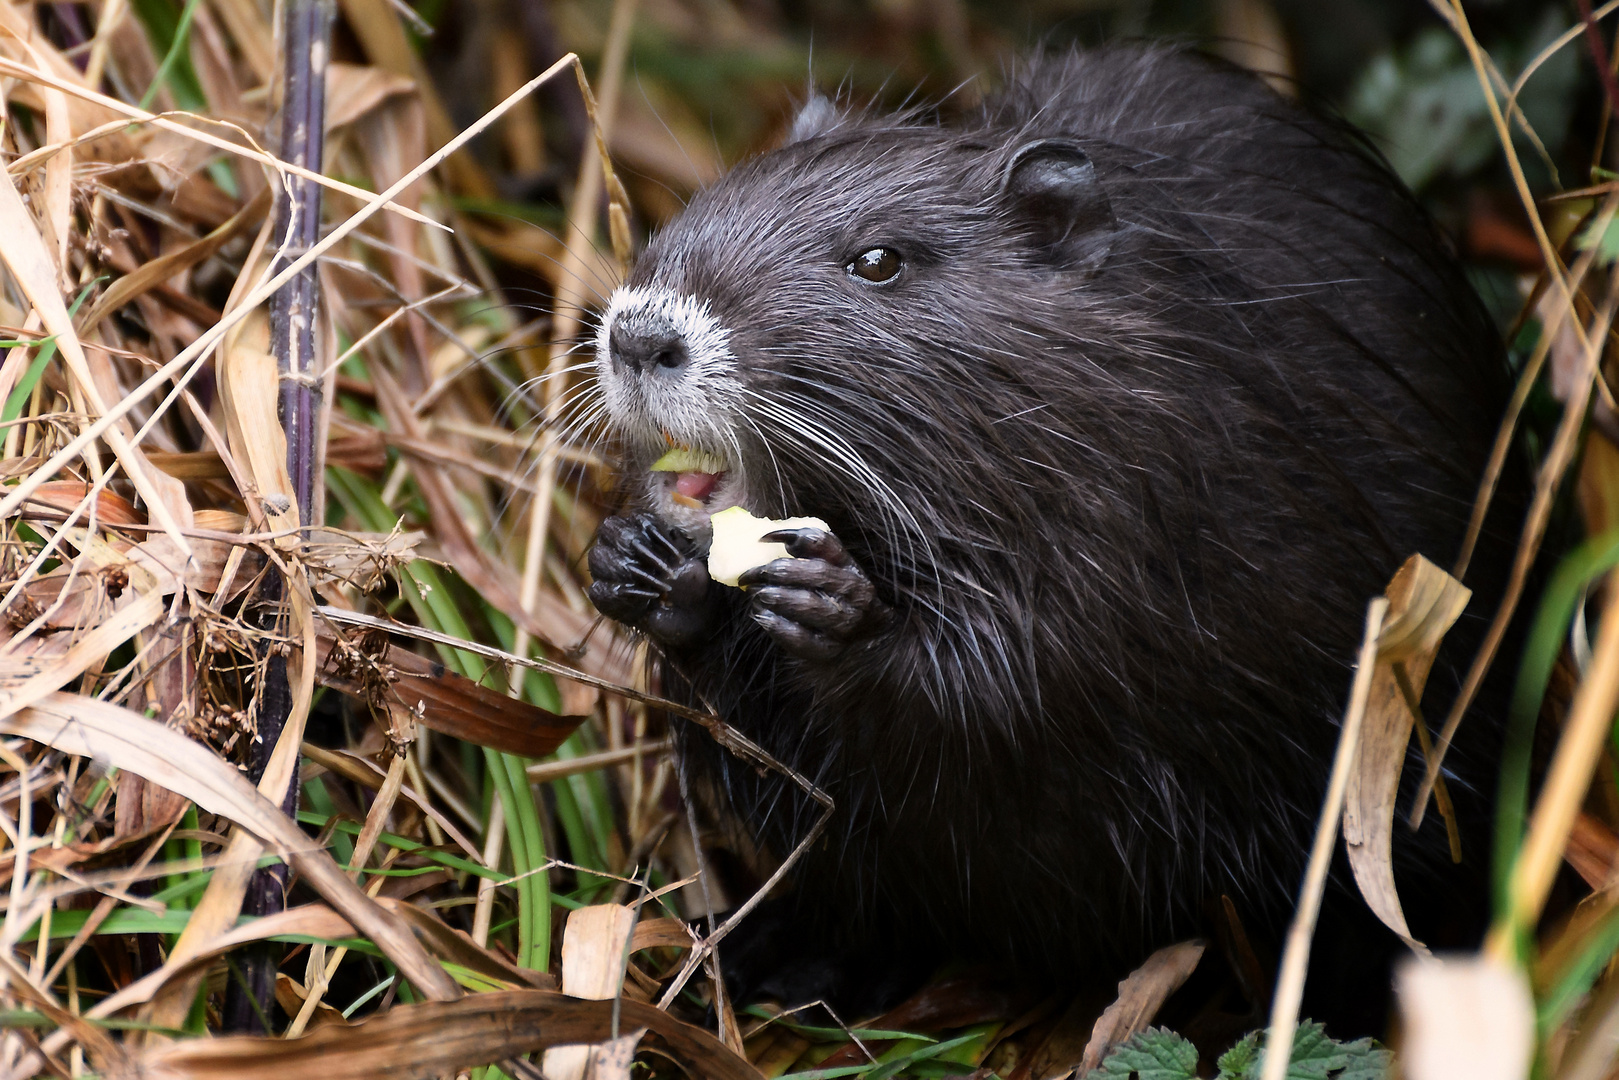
x=1125, y=397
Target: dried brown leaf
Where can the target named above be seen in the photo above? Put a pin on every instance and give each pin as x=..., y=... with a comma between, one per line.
x=1141, y=994
x=416, y=1042
x=56, y=499
x=1424, y=602
x=595, y=946
x=449, y=703
x=352, y=90
x=661, y=933
x=1593, y=851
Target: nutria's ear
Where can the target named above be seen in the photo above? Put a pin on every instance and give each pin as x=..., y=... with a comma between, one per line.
x=1052, y=183
x=817, y=116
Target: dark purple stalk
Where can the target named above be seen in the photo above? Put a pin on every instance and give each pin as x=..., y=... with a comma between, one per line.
x=293, y=309
x=1599, y=54
x=306, y=33
x=74, y=31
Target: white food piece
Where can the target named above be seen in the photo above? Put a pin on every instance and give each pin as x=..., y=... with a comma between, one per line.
x=737, y=548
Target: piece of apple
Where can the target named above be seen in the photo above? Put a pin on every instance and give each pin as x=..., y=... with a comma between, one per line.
x=681, y=459
x=737, y=548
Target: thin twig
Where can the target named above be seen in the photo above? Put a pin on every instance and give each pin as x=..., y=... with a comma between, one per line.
x=1284, y=1013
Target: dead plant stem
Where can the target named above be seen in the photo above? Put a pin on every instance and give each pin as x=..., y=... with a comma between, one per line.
x=567, y=310
x=1284, y=1013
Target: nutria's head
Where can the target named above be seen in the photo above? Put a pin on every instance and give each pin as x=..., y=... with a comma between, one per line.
x=790, y=334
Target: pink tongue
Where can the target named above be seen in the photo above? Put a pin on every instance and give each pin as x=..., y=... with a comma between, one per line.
x=696, y=485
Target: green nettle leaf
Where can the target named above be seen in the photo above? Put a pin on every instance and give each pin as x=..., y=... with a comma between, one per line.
x=1154, y=1054
x=1242, y=1061
x=1316, y=1056
x=1606, y=242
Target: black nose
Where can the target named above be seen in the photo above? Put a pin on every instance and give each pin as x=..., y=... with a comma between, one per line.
x=642, y=341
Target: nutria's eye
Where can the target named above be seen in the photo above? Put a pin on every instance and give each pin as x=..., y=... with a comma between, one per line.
x=876, y=265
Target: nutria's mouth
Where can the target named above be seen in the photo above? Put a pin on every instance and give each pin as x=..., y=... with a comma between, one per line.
x=692, y=483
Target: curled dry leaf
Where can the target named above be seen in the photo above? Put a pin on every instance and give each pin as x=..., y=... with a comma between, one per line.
x=666, y=933
x=352, y=90
x=435, y=1039
x=1424, y=602
x=1471, y=1017
x=250, y=385
x=1141, y=994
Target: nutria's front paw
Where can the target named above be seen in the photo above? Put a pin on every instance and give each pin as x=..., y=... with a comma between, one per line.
x=648, y=576
x=816, y=603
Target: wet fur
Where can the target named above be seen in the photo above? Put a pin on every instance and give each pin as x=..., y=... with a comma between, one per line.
x=1127, y=504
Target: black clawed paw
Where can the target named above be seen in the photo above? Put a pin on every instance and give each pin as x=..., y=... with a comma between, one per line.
x=647, y=575
x=816, y=603
x=810, y=543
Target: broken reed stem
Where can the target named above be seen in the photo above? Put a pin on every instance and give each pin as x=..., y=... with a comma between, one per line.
x=1284, y=1015
x=293, y=312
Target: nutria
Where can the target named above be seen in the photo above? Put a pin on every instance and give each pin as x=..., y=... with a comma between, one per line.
x=1120, y=400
